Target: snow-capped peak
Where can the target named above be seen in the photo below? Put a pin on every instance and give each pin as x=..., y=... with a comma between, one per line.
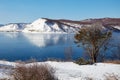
x=46, y=25
x=39, y=21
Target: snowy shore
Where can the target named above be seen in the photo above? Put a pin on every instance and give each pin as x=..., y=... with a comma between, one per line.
x=72, y=71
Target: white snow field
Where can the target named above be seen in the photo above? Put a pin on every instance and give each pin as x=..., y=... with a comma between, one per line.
x=72, y=71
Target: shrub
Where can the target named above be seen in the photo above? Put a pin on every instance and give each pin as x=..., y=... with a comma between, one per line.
x=33, y=72
x=82, y=61
x=4, y=79
x=112, y=61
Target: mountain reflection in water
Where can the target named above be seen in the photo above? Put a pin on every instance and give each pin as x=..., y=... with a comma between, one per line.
x=23, y=46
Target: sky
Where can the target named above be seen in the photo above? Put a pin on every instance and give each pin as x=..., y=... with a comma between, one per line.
x=18, y=11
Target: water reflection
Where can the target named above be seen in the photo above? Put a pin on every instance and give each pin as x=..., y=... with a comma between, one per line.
x=45, y=40
x=23, y=46
x=11, y=35
x=41, y=40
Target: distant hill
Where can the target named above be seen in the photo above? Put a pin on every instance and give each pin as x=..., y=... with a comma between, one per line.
x=45, y=25
x=1, y=25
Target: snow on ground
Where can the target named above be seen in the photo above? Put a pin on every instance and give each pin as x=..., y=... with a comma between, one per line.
x=5, y=68
x=117, y=27
x=72, y=71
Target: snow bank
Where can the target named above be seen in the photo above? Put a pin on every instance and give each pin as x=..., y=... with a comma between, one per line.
x=72, y=71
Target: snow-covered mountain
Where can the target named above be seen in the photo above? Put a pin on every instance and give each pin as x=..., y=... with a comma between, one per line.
x=41, y=25
x=13, y=27
x=45, y=25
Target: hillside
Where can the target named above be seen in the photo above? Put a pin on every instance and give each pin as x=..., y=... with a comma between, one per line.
x=45, y=25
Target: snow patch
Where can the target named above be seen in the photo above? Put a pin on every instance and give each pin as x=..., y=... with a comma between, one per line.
x=72, y=71
x=117, y=27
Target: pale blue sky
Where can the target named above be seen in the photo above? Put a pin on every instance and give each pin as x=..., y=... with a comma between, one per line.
x=16, y=11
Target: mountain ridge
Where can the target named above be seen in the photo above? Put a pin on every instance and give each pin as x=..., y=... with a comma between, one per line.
x=44, y=25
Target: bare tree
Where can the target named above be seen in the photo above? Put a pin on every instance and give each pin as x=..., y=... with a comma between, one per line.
x=93, y=38
x=68, y=53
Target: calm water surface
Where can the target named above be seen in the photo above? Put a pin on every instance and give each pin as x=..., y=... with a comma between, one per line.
x=24, y=46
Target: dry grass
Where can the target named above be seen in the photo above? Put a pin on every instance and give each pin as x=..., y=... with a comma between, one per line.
x=88, y=78
x=33, y=72
x=5, y=79
x=112, y=61
x=82, y=61
x=112, y=77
